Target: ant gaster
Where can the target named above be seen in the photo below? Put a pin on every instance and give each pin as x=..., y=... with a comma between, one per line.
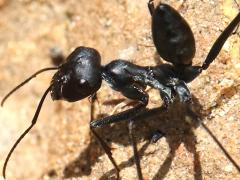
x=82, y=74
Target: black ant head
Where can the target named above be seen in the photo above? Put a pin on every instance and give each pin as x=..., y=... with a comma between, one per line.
x=76, y=79
x=79, y=77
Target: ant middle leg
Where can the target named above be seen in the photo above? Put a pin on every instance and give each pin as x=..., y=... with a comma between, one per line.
x=132, y=92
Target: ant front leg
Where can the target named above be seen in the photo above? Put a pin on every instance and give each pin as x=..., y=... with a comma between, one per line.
x=133, y=92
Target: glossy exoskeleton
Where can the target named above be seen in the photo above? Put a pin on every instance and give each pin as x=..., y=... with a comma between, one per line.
x=82, y=74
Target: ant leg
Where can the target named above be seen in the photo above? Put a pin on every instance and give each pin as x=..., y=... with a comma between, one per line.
x=132, y=92
x=118, y=117
x=92, y=99
x=135, y=151
x=151, y=6
x=112, y=119
x=123, y=104
x=152, y=80
x=107, y=150
x=218, y=44
x=126, y=102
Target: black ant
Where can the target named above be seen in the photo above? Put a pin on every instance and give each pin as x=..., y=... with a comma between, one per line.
x=82, y=74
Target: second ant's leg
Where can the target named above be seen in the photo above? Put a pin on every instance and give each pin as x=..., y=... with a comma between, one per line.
x=135, y=151
x=151, y=6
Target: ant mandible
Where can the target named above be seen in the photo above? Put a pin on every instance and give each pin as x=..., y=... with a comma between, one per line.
x=82, y=74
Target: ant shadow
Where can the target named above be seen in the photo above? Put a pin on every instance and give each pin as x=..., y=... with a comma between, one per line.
x=172, y=122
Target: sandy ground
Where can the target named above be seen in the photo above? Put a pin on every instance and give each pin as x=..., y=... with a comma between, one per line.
x=61, y=147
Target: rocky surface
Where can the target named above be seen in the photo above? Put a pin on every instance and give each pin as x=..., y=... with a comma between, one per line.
x=61, y=147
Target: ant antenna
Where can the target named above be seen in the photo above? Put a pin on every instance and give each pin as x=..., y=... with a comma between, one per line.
x=24, y=82
x=34, y=120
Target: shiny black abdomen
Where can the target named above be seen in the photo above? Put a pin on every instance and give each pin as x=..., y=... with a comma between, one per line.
x=172, y=36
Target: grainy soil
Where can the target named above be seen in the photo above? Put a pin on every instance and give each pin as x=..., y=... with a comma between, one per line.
x=61, y=146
